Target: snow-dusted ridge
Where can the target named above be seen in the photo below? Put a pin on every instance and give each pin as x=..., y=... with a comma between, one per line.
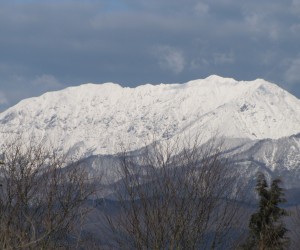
x=96, y=118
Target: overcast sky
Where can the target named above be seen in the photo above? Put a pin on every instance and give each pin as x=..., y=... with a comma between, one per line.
x=49, y=45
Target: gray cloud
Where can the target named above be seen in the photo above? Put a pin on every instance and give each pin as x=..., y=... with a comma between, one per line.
x=223, y=58
x=292, y=73
x=201, y=8
x=48, y=45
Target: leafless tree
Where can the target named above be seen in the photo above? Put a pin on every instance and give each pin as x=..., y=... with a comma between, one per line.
x=293, y=224
x=41, y=198
x=175, y=195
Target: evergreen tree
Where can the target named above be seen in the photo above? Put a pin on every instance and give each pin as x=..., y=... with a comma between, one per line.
x=267, y=231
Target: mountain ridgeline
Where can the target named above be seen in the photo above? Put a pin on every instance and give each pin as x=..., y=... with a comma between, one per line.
x=259, y=121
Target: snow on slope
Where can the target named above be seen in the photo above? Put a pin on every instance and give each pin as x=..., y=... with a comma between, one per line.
x=274, y=157
x=96, y=118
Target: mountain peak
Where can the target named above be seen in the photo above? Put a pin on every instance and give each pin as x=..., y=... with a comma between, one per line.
x=219, y=78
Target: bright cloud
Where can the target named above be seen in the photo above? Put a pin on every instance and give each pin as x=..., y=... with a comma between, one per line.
x=170, y=58
x=3, y=99
x=46, y=81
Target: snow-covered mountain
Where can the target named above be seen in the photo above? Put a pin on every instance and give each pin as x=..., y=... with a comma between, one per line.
x=274, y=157
x=97, y=118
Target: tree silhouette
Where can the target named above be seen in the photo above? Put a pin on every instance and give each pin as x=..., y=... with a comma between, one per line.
x=267, y=231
